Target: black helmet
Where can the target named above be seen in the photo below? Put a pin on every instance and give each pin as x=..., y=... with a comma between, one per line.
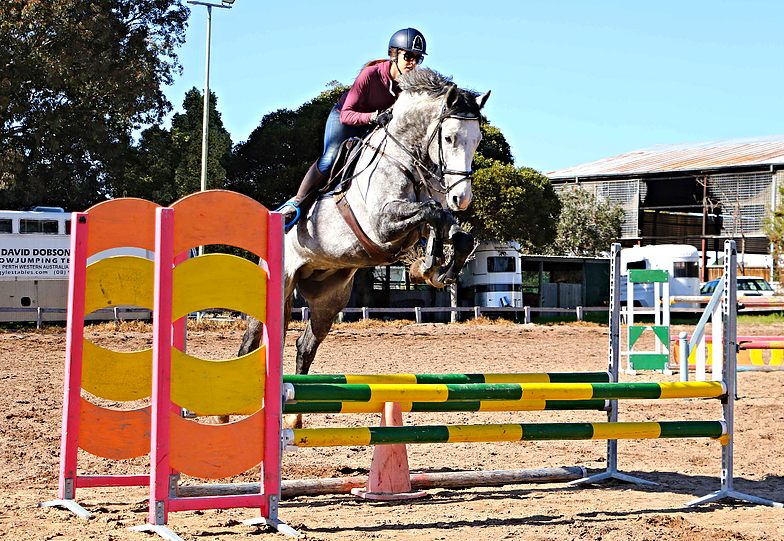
x=409, y=39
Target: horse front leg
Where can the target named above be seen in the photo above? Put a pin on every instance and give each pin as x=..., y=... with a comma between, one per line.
x=463, y=245
x=402, y=216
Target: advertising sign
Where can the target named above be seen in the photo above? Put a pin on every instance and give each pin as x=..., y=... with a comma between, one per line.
x=34, y=257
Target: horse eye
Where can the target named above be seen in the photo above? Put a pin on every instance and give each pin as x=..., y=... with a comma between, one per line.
x=448, y=139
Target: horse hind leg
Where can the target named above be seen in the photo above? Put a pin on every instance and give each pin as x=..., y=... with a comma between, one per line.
x=252, y=337
x=326, y=299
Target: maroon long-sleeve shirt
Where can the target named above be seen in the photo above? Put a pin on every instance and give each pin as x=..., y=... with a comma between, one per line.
x=373, y=90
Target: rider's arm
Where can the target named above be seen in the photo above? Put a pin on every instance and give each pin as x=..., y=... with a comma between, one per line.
x=351, y=113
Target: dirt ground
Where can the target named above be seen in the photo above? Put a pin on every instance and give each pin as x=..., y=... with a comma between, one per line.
x=31, y=368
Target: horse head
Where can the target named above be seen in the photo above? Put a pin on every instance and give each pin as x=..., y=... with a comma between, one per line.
x=445, y=120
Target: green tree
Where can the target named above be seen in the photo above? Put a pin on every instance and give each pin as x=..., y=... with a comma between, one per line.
x=587, y=225
x=187, y=141
x=166, y=165
x=76, y=78
x=492, y=148
x=513, y=204
x=510, y=203
x=271, y=163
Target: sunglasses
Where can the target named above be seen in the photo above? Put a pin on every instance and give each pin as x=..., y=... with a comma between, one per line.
x=411, y=57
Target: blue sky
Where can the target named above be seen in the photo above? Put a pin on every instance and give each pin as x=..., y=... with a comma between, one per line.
x=572, y=81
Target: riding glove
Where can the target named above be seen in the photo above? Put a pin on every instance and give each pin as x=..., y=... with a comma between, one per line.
x=381, y=118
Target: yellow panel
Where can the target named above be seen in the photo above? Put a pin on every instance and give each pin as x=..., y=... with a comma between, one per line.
x=517, y=378
x=216, y=451
x=468, y=433
x=756, y=357
x=119, y=280
x=115, y=375
x=612, y=431
x=776, y=357
x=331, y=437
x=219, y=281
x=557, y=391
x=218, y=387
x=115, y=434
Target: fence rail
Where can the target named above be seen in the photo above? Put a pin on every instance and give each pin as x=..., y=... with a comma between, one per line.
x=303, y=313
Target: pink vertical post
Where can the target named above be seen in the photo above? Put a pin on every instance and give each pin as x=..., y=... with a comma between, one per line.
x=69, y=441
x=161, y=363
x=274, y=336
x=179, y=330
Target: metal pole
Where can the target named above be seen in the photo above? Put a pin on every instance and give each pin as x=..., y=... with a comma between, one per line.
x=206, y=115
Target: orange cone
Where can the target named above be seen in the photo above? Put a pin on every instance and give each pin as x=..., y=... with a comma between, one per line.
x=389, y=477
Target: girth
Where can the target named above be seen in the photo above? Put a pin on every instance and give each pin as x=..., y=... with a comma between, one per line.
x=378, y=253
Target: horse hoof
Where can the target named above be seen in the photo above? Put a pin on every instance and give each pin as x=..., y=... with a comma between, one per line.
x=292, y=421
x=416, y=272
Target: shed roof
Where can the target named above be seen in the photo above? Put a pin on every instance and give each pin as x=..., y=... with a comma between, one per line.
x=768, y=150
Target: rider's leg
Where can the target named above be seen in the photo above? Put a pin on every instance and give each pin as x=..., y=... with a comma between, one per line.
x=335, y=133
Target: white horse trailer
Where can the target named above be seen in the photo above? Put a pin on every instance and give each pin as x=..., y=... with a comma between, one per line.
x=34, y=258
x=492, y=277
x=679, y=260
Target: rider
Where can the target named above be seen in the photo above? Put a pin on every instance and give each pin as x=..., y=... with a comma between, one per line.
x=373, y=91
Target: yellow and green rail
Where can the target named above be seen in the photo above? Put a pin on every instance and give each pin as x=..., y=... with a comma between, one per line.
x=347, y=392
x=341, y=437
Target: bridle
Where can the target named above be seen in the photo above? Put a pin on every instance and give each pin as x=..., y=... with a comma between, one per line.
x=426, y=174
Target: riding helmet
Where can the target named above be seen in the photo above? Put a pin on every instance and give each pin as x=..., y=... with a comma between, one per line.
x=409, y=39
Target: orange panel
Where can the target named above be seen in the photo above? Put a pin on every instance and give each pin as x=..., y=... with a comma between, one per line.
x=220, y=217
x=114, y=434
x=121, y=222
x=216, y=451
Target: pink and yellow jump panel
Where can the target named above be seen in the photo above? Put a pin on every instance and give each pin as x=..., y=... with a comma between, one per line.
x=760, y=353
x=249, y=385
x=105, y=374
x=173, y=287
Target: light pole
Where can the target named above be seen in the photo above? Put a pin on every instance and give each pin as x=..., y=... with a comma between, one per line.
x=206, y=116
x=205, y=119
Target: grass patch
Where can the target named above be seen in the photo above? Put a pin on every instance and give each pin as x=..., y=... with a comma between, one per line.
x=761, y=319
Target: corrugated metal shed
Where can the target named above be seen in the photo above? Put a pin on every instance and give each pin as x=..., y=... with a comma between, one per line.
x=683, y=157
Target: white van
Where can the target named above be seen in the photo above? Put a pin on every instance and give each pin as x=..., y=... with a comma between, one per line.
x=492, y=277
x=679, y=260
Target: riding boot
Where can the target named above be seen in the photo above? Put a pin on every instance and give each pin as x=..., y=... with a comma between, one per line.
x=307, y=190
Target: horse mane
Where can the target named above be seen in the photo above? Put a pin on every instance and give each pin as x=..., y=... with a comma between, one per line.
x=436, y=85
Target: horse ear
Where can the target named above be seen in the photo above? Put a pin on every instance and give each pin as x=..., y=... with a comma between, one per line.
x=451, y=96
x=481, y=100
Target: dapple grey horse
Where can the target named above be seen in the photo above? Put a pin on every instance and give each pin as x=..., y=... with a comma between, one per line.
x=409, y=177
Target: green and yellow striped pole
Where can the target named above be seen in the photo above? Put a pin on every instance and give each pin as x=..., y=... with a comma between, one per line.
x=475, y=405
x=412, y=379
x=336, y=392
x=341, y=437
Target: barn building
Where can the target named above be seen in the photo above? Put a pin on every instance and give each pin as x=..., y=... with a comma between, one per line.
x=694, y=193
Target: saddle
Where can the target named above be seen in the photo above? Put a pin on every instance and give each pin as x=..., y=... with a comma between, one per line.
x=342, y=170
x=340, y=175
